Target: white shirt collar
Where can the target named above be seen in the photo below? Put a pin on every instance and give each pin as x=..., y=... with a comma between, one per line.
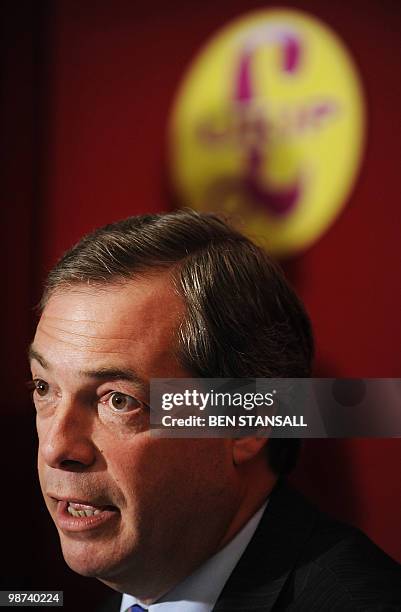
x=199, y=591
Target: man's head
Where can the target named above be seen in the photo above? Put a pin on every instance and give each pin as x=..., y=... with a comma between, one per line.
x=157, y=296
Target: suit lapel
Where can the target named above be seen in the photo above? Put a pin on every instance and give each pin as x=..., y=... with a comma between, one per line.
x=266, y=564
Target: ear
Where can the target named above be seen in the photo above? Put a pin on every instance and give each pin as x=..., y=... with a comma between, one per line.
x=246, y=449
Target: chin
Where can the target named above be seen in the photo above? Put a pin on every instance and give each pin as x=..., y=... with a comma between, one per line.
x=89, y=560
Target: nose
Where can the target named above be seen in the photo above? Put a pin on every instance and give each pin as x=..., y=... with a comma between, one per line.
x=65, y=438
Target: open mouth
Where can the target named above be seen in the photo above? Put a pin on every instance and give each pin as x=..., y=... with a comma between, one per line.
x=84, y=510
x=74, y=516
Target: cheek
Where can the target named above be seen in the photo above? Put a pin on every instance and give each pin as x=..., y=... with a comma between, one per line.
x=125, y=458
x=153, y=469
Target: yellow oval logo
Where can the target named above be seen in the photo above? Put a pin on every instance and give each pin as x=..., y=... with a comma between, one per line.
x=268, y=126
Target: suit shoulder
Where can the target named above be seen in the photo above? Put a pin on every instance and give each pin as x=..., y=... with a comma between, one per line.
x=342, y=569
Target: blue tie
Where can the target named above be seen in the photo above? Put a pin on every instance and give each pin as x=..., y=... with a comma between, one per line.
x=137, y=608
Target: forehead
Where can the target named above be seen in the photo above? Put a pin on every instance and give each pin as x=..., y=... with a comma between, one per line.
x=138, y=318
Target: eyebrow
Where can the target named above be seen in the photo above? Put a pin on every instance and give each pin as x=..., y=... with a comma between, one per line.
x=101, y=374
x=33, y=354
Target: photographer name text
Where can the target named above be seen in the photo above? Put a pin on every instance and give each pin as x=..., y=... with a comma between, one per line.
x=247, y=420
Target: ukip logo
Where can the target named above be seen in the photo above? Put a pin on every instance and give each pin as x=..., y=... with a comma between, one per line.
x=254, y=129
x=258, y=126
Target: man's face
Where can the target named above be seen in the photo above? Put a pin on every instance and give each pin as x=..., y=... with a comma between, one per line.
x=157, y=507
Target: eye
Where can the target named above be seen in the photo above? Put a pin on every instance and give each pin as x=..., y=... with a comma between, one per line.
x=120, y=402
x=40, y=387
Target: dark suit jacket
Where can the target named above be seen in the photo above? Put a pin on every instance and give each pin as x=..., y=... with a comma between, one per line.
x=301, y=560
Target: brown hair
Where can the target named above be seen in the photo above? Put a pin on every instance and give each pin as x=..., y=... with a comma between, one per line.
x=243, y=319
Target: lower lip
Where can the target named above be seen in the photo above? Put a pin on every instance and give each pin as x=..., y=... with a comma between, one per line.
x=67, y=522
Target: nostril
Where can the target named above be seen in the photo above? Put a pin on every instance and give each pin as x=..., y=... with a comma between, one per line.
x=71, y=464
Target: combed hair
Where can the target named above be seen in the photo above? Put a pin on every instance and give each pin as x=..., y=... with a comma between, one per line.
x=242, y=317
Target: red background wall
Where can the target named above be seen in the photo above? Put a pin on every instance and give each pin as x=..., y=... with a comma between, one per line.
x=87, y=89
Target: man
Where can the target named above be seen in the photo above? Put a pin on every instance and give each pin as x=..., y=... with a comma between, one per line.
x=185, y=525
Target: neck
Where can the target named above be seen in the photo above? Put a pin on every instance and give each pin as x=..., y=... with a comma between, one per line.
x=259, y=482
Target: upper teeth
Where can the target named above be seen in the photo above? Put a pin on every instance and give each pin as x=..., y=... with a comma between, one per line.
x=86, y=512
